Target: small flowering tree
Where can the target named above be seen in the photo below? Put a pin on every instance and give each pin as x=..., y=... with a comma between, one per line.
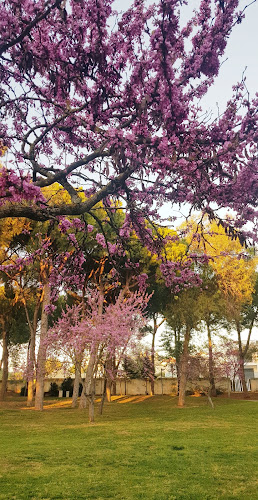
x=94, y=332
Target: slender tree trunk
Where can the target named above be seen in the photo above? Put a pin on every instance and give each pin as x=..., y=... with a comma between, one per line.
x=103, y=396
x=108, y=390
x=155, y=328
x=88, y=393
x=184, y=368
x=41, y=361
x=5, y=360
x=242, y=361
x=114, y=371
x=76, y=385
x=31, y=368
x=213, y=391
x=31, y=359
x=177, y=356
x=108, y=375
x=242, y=375
x=152, y=383
x=91, y=400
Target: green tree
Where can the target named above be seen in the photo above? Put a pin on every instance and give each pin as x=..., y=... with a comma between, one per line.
x=183, y=316
x=13, y=328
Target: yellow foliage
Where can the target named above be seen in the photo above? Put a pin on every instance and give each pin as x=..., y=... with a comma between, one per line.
x=8, y=229
x=56, y=194
x=174, y=249
x=3, y=149
x=52, y=366
x=234, y=268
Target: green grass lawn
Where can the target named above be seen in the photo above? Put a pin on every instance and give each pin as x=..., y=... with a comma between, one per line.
x=141, y=448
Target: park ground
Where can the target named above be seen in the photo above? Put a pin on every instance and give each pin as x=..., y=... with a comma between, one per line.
x=142, y=447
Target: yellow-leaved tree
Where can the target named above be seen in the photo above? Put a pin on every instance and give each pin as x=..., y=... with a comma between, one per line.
x=235, y=271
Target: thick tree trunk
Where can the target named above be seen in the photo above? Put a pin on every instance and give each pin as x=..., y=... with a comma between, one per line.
x=87, y=396
x=212, y=390
x=41, y=361
x=5, y=359
x=76, y=385
x=184, y=368
x=83, y=399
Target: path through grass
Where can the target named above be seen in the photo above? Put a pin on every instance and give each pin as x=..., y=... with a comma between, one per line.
x=141, y=448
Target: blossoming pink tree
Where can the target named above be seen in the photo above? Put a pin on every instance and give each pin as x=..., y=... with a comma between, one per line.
x=109, y=102
x=38, y=261
x=94, y=331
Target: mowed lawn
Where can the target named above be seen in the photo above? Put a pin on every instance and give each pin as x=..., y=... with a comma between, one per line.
x=141, y=448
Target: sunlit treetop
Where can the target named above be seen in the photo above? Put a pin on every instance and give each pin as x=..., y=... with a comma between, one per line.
x=234, y=267
x=109, y=101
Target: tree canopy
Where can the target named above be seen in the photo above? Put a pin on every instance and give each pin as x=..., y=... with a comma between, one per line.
x=109, y=101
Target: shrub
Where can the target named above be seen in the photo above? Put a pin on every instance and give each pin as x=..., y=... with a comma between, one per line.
x=24, y=391
x=53, y=391
x=67, y=385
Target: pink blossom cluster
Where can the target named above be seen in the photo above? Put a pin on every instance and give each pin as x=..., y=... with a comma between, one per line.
x=16, y=188
x=180, y=275
x=83, y=328
x=115, y=109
